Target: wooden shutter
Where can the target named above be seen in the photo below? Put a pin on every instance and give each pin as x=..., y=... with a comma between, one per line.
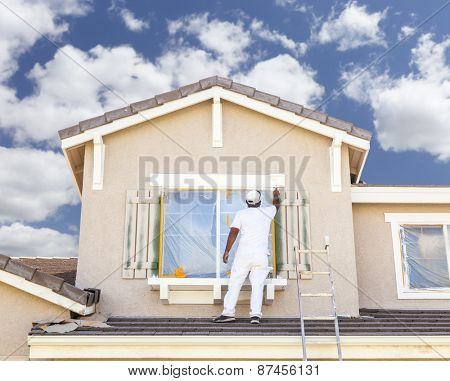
x=292, y=230
x=141, y=235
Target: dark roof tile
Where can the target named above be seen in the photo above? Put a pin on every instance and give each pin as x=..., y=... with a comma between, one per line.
x=119, y=113
x=316, y=115
x=339, y=123
x=69, y=131
x=224, y=82
x=74, y=293
x=4, y=259
x=360, y=133
x=264, y=97
x=65, y=268
x=144, y=105
x=242, y=89
x=167, y=97
x=370, y=323
x=290, y=106
x=48, y=280
x=190, y=89
x=206, y=84
x=20, y=269
x=92, y=123
x=40, y=274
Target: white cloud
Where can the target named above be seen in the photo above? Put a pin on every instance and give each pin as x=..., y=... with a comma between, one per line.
x=405, y=31
x=65, y=93
x=285, y=76
x=33, y=184
x=132, y=22
x=25, y=241
x=45, y=15
x=292, y=4
x=352, y=28
x=263, y=32
x=228, y=40
x=411, y=112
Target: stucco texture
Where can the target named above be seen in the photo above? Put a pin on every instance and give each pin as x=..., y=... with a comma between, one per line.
x=375, y=256
x=18, y=310
x=245, y=133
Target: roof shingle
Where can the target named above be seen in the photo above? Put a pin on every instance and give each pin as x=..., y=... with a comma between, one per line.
x=204, y=84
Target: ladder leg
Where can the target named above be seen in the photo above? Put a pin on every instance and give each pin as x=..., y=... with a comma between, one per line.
x=300, y=308
x=336, y=322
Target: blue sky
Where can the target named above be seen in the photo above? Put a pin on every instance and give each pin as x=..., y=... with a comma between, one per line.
x=303, y=51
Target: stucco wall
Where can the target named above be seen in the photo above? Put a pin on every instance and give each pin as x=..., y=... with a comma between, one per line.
x=375, y=257
x=246, y=133
x=18, y=310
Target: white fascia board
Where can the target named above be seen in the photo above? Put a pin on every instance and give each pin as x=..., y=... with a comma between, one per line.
x=44, y=293
x=215, y=181
x=72, y=172
x=141, y=117
x=400, y=195
x=418, y=218
x=234, y=347
x=228, y=95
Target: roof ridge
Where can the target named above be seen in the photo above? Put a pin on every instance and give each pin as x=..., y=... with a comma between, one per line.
x=205, y=84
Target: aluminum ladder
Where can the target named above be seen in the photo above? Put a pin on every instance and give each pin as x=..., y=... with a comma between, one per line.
x=333, y=316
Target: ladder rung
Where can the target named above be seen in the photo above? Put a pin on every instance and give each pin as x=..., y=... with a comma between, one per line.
x=318, y=318
x=313, y=251
x=317, y=294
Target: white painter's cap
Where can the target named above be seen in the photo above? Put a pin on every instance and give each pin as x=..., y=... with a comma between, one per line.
x=253, y=197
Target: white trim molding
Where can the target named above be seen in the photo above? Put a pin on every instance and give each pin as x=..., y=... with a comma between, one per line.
x=400, y=195
x=66, y=347
x=99, y=163
x=45, y=293
x=204, y=290
x=217, y=134
x=397, y=220
x=336, y=165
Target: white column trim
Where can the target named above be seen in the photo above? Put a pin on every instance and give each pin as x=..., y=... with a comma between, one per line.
x=99, y=162
x=217, y=134
x=336, y=164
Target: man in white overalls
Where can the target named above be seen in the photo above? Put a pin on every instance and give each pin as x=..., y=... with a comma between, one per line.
x=251, y=255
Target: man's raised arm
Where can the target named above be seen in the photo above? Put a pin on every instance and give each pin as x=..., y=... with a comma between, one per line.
x=276, y=198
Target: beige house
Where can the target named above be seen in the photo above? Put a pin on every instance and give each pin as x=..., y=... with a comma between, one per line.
x=159, y=181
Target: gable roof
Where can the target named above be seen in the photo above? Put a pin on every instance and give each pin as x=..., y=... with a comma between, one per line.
x=43, y=284
x=204, y=84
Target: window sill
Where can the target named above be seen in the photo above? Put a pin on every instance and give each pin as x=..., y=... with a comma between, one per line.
x=424, y=294
x=206, y=290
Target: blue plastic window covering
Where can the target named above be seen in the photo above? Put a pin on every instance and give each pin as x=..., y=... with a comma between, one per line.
x=189, y=235
x=425, y=257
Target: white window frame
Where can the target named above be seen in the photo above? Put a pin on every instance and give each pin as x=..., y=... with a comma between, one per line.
x=397, y=220
x=169, y=287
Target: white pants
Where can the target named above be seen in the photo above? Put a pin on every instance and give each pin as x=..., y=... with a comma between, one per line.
x=257, y=265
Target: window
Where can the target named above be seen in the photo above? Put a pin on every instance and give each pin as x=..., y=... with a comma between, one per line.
x=195, y=229
x=421, y=254
x=425, y=256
